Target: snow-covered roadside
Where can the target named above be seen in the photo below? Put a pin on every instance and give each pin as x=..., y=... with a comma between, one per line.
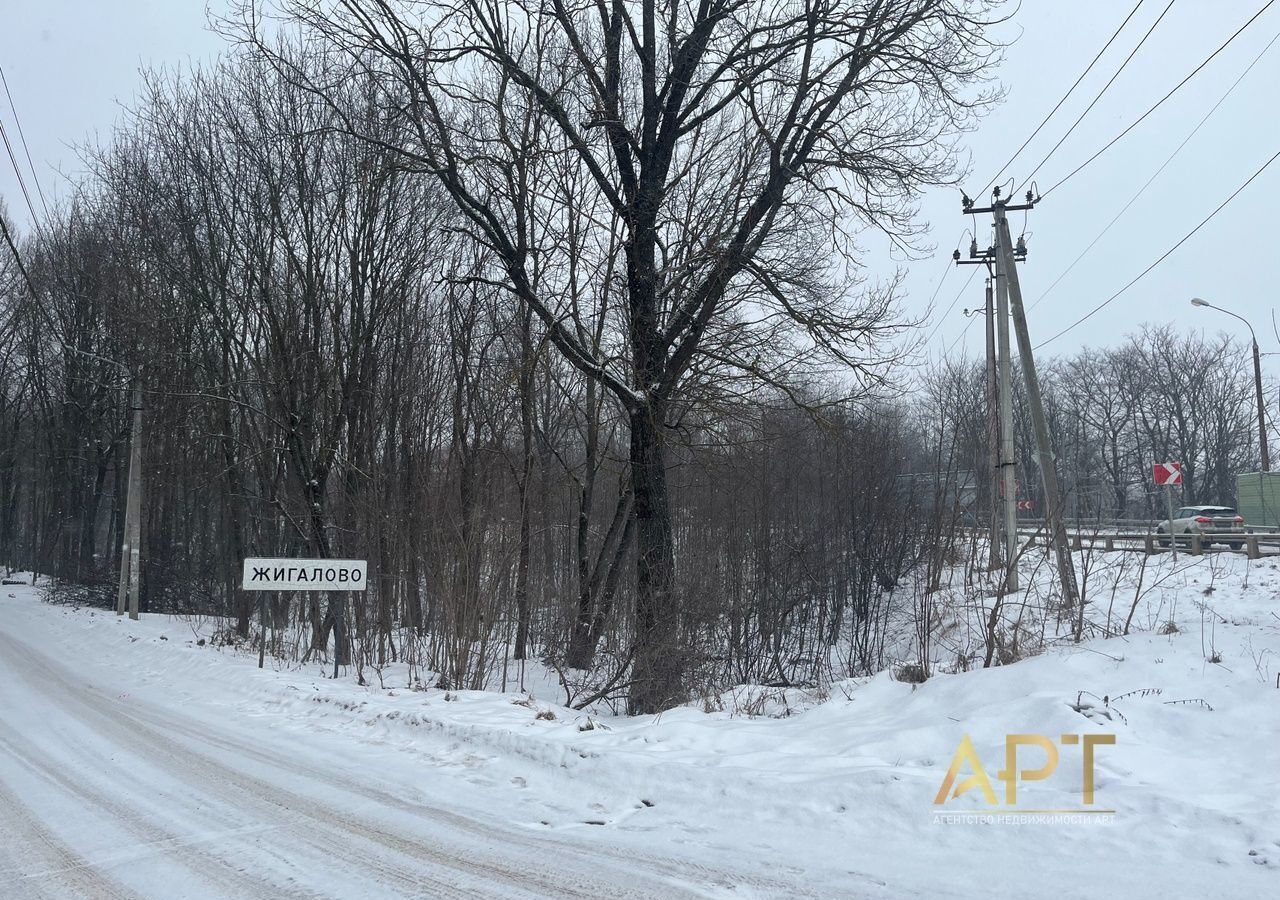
x=838, y=799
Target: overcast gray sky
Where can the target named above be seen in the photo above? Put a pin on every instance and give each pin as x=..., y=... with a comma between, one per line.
x=71, y=64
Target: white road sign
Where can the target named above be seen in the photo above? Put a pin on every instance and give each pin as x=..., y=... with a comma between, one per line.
x=266, y=574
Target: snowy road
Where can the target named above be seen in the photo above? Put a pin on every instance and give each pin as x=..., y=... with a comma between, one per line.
x=103, y=794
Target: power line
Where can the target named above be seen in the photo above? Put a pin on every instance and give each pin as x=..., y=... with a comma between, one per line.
x=23, y=137
x=1156, y=174
x=1105, y=87
x=947, y=270
x=962, y=333
x=40, y=307
x=942, y=318
x=1164, y=255
x=936, y=290
x=1058, y=105
x=13, y=248
x=18, y=172
x=1161, y=101
x=26, y=277
x=964, y=287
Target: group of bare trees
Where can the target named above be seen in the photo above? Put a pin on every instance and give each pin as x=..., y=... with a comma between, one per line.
x=649, y=182
x=494, y=295
x=555, y=314
x=1158, y=396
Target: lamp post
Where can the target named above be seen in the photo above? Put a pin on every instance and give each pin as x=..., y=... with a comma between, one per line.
x=1257, y=380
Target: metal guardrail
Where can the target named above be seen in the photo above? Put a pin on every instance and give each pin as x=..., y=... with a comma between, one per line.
x=1129, y=525
x=1252, y=544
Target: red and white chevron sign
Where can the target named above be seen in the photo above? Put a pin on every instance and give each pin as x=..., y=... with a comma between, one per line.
x=1167, y=473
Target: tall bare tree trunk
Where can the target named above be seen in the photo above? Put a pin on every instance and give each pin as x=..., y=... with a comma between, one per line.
x=658, y=667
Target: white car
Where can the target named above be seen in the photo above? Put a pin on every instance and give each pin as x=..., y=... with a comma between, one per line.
x=1213, y=523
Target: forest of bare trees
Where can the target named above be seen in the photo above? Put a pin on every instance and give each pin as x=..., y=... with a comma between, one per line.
x=556, y=315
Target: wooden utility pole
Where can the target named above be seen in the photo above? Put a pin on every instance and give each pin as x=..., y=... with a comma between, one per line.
x=131, y=536
x=1044, y=450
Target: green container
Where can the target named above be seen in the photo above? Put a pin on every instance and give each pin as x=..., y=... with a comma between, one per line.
x=1258, y=499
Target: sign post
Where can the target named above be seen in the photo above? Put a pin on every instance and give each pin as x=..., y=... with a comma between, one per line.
x=1169, y=474
x=262, y=623
x=272, y=574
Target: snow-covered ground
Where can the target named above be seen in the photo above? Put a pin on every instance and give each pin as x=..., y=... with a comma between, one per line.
x=135, y=761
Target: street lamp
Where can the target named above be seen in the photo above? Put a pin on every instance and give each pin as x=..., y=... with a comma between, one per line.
x=1257, y=379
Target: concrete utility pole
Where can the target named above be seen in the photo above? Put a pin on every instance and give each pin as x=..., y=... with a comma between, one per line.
x=1044, y=450
x=1000, y=393
x=1008, y=460
x=1009, y=302
x=131, y=537
x=1257, y=381
x=993, y=429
